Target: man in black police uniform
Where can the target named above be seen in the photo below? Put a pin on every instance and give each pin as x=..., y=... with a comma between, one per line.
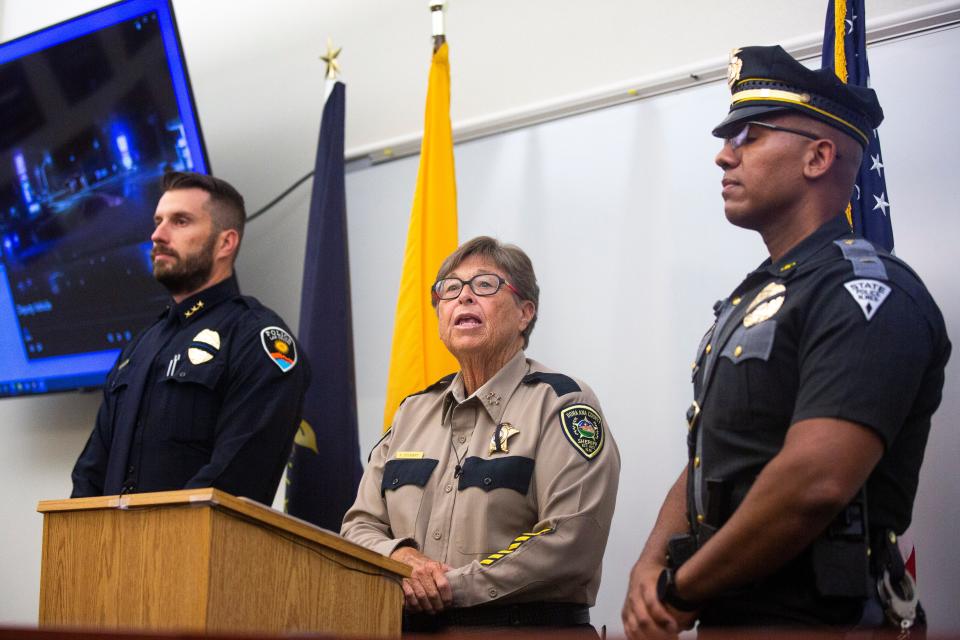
x=211, y=393
x=813, y=390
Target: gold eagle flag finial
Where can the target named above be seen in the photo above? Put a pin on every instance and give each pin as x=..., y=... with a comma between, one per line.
x=306, y=437
x=333, y=67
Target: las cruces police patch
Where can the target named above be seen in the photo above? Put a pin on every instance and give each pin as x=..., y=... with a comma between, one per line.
x=280, y=346
x=583, y=427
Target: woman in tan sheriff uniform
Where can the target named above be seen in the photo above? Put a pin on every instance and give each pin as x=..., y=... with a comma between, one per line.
x=496, y=485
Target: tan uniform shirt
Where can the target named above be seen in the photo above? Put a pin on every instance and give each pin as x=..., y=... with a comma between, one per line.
x=525, y=519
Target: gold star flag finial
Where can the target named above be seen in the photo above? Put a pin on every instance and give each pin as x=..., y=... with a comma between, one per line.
x=333, y=67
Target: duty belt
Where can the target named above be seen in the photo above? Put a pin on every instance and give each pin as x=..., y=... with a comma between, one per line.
x=527, y=614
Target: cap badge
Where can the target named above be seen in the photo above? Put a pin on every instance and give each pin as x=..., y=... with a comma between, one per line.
x=766, y=304
x=503, y=432
x=734, y=67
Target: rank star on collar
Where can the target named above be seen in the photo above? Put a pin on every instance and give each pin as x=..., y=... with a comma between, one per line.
x=192, y=310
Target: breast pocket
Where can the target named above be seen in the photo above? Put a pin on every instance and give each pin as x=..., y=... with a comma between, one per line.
x=746, y=392
x=751, y=343
x=403, y=486
x=495, y=495
x=193, y=402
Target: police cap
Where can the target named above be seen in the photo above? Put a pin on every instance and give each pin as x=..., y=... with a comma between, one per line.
x=766, y=80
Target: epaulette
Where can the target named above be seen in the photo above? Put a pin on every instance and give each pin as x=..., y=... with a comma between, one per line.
x=562, y=385
x=863, y=257
x=442, y=383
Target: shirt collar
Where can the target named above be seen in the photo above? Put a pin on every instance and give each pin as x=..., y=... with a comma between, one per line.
x=494, y=394
x=829, y=231
x=199, y=303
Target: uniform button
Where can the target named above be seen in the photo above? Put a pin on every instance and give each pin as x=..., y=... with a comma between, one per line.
x=700, y=518
x=493, y=593
x=709, y=348
x=696, y=462
x=488, y=481
x=396, y=481
x=462, y=439
x=448, y=488
x=183, y=374
x=736, y=301
x=737, y=351
x=130, y=469
x=437, y=535
x=892, y=536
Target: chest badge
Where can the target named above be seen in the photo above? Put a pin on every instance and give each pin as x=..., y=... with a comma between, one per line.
x=766, y=304
x=280, y=346
x=203, y=347
x=503, y=433
x=583, y=427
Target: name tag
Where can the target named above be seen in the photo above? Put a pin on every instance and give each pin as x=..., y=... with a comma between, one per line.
x=409, y=455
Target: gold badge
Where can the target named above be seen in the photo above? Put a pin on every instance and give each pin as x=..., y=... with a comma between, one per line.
x=409, y=455
x=766, y=304
x=503, y=432
x=733, y=68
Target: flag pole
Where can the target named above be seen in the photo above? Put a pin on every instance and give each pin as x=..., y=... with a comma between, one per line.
x=439, y=29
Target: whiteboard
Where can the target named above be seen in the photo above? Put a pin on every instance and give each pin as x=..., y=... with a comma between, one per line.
x=620, y=211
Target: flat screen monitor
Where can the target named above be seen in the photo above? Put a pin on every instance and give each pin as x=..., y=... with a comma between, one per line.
x=93, y=111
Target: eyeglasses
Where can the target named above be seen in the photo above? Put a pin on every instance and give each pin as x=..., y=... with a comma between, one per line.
x=482, y=284
x=740, y=138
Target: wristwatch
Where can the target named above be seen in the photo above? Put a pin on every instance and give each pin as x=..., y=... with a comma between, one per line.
x=667, y=592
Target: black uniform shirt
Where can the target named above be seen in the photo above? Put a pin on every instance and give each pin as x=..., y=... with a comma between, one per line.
x=209, y=395
x=812, y=352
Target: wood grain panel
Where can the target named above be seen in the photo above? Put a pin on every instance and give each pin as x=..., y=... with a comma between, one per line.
x=266, y=580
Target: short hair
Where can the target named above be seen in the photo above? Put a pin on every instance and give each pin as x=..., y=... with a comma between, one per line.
x=507, y=257
x=226, y=203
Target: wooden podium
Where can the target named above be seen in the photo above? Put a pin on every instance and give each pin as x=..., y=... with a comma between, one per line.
x=202, y=560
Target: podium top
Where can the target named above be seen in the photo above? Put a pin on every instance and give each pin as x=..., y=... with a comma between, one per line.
x=214, y=498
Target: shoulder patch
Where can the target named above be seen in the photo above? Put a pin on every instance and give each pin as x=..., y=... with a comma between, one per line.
x=583, y=427
x=279, y=345
x=869, y=294
x=562, y=385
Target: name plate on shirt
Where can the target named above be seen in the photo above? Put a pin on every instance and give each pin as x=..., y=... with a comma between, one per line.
x=409, y=455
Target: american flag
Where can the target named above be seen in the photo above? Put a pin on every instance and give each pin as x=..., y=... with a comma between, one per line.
x=845, y=51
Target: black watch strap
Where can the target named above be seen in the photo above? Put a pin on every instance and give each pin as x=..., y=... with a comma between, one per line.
x=667, y=593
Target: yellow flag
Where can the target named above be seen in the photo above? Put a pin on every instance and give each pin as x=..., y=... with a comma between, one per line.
x=418, y=358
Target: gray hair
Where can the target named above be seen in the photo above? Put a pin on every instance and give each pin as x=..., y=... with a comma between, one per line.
x=507, y=257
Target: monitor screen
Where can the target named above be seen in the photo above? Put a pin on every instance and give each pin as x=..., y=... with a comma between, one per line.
x=93, y=111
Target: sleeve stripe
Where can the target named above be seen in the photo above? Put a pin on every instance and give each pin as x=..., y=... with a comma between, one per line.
x=517, y=543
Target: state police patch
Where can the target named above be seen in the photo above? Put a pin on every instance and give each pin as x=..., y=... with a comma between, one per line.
x=583, y=427
x=280, y=346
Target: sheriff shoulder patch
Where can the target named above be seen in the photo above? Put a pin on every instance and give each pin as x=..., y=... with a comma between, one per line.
x=869, y=294
x=280, y=346
x=583, y=427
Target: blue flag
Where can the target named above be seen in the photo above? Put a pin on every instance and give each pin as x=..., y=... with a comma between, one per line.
x=324, y=468
x=845, y=51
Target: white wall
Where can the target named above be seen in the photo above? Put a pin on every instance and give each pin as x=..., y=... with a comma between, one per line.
x=258, y=84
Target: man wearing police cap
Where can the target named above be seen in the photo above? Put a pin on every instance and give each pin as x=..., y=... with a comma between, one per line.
x=813, y=389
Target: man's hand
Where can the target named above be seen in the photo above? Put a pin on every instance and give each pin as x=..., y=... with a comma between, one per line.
x=644, y=616
x=427, y=590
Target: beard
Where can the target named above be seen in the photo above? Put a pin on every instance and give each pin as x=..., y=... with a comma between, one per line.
x=186, y=274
